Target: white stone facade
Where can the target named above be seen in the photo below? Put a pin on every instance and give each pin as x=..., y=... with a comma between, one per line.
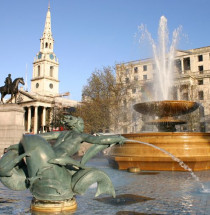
x=191, y=82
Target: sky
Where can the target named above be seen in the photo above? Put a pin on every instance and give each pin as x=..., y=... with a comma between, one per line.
x=92, y=34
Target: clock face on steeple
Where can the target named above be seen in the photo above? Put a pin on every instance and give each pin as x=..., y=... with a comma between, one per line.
x=51, y=56
x=39, y=55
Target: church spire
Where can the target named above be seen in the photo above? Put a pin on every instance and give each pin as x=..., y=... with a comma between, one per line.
x=46, y=43
x=45, y=66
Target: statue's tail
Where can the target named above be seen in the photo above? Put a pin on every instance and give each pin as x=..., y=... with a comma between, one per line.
x=82, y=180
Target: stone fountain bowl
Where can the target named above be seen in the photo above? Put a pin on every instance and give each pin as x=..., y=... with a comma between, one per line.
x=166, y=108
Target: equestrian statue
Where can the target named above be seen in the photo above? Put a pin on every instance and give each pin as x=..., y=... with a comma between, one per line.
x=10, y=87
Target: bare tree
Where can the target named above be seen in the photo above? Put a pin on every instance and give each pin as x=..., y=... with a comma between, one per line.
x=102, y=99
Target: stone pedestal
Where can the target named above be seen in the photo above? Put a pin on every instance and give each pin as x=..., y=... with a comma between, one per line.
x=11, y=125
x=52, y=207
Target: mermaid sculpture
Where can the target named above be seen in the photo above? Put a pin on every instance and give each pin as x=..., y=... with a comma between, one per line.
x=49, y=171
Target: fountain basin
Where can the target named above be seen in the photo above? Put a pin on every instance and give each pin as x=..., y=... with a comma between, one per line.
x=191, y=147
x=166, y=108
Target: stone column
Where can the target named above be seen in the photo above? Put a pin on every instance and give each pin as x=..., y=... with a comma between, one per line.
x=178, y=92
x=35, y=119
x=29, y=120
x=51, y=118
x=43, y=118
x=182, y=66
x=189, y=92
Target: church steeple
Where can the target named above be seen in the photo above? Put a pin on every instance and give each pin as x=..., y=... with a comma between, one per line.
x=45, y=69
x=47, y=41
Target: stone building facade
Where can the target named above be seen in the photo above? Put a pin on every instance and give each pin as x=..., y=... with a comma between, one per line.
x=191, y=82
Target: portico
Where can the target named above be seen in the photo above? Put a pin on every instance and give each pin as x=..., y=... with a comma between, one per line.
x=36, y=118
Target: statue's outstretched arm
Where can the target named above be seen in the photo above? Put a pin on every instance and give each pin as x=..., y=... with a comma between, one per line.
x=100, y=143
x=104, y=139
x=50, y=135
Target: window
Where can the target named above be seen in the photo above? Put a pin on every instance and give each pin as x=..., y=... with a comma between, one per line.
x=135, y=69
x=51, y=86
x=127, y=80
x=145, y=68
x=200, y=69
x=134, y=90
x=124, y=103
x=200, y=58
x=200, y=95
x=144, y=77
x=186, y=62
x=107, y=130
x=51, y=71
x=200, y=82
x=38, y=71
x=37, y=85
x=46, y=45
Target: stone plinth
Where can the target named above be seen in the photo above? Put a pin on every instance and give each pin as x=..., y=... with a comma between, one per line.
x=11, y=125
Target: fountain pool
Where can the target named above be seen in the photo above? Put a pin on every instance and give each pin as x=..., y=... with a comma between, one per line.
x=161, y=193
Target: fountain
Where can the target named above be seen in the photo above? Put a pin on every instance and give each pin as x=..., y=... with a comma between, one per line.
x=51, y=175
x=193, y=148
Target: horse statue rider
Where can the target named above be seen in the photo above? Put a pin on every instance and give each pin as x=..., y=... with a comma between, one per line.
x=8, y=83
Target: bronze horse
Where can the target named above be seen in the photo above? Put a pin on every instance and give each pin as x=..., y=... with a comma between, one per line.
x=13, y=89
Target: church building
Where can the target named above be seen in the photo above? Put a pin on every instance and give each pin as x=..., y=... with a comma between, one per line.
x=44, y=97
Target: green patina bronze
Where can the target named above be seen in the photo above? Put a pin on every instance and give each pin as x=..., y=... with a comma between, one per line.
x=50, y=172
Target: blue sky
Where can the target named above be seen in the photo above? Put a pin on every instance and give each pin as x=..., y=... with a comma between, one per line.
x=90, y=34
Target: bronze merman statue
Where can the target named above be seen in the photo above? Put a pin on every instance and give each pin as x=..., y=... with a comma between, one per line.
x=49, y=171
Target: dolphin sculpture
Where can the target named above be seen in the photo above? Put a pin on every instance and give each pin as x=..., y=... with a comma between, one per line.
x=33, y=164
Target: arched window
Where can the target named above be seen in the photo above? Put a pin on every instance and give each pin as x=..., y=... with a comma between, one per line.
x=51, y=71
x=46, y=45
x=38, y=71
x=50, y=46
x=42, y=45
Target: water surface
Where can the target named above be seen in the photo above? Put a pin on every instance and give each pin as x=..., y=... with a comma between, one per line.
x=142, y=193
